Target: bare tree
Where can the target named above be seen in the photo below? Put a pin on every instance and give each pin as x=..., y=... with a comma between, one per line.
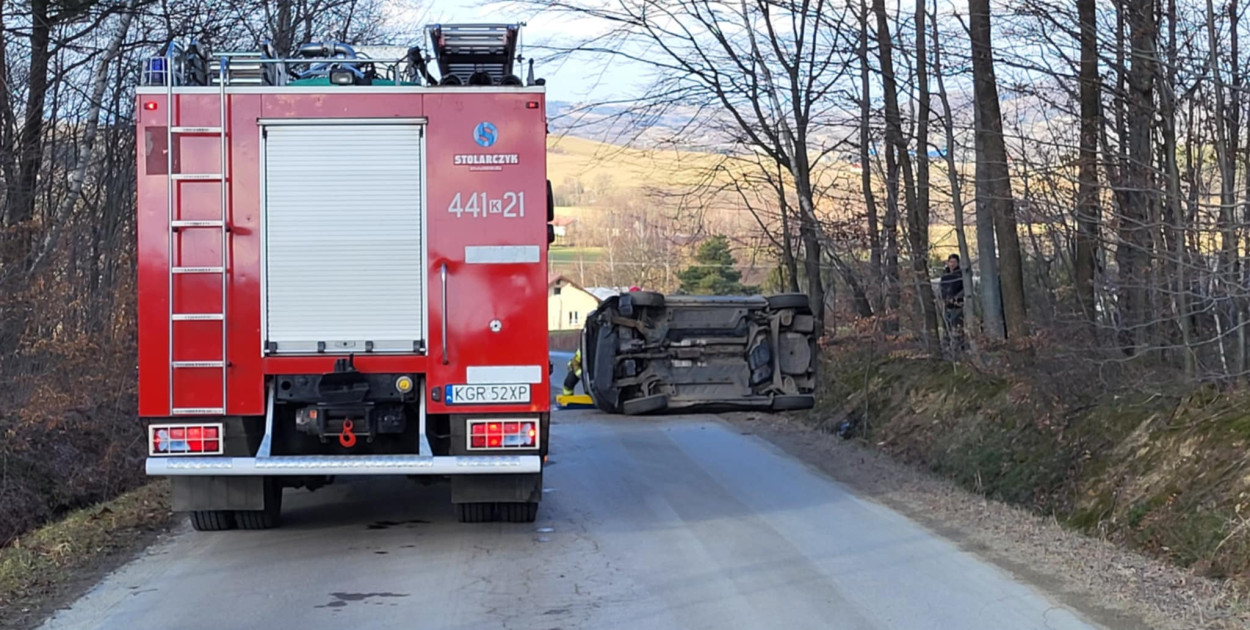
x=954, y=180
x=764, y=71
x=1134, y=252
x=918, y=214
x=896, y=156
x=1087, y=203
x=993, y=180
x=878, y=275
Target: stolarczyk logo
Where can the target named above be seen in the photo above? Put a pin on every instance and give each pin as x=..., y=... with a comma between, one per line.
x=485, y=134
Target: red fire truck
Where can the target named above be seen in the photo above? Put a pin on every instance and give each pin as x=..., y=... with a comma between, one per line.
x=342, y=272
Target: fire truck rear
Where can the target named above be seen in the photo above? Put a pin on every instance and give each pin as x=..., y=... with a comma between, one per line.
x=341, y=272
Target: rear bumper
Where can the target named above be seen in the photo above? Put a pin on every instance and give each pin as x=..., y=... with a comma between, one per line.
x=313, y=465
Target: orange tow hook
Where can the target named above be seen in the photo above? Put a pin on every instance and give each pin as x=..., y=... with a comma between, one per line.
x=347, y=438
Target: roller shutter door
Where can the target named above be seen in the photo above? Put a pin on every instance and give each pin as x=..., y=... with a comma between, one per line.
x=343, y=238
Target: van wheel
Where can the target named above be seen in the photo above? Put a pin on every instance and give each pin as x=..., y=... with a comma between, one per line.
x=268, y=518
x=793, y=403
x=646, y=299
x=212, y=520
x=782, y=301
x=649, y=404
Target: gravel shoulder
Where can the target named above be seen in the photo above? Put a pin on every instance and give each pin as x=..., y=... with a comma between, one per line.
x=1113, y=586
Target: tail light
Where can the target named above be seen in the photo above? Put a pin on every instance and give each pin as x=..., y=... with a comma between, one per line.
x=513, y=433
x=185, y=439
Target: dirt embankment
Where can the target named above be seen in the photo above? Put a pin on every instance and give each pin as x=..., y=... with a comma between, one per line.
x=54, y=564
x=1166, y=472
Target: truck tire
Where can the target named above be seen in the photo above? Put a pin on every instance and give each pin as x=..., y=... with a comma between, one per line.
x=475, y=512
x=518, y=512
x=793, y=403
x=648, y=404
x=783, y=301
x=268, y=518
x=212, y=520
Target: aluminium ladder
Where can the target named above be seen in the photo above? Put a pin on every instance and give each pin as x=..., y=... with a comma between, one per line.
x=464, y=49
x=176, y=225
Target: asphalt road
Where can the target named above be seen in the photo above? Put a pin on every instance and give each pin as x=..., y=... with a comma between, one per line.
x=681, y=522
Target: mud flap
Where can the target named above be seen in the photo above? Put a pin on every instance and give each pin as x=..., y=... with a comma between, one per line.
x=497, y=488
x=195, y=493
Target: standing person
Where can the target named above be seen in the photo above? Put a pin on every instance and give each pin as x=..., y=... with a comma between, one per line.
x=952, y=292
x=575, y=373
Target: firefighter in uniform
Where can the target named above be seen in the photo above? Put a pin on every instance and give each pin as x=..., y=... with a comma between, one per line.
x=575, y=373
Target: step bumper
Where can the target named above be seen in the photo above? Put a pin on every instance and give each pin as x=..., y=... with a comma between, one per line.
x=334, y=465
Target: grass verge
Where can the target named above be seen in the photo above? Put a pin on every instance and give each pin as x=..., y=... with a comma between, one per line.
x=1161, y=471
x=53, y=564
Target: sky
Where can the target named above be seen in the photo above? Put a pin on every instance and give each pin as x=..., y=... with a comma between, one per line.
x=573, y=80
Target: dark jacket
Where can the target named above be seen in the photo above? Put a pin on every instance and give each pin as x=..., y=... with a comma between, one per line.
x=952, y=287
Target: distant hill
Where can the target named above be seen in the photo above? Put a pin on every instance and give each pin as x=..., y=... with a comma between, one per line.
x=611, y=124
x=601, y=167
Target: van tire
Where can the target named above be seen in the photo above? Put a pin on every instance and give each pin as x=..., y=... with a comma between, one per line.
x=793, y=403
x=646, y=299
x=782, y=301
x=649, y=404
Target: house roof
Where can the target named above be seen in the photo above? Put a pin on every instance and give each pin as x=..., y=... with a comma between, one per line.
x=603, y=293
x=563, y=221
x=555, y=277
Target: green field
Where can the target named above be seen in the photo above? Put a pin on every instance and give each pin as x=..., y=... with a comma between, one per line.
x=573, y=255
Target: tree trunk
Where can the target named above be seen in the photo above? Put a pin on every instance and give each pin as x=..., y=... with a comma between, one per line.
x=859, y=297
x=809, y=233
x=789, y=260
x=795, y=144
x=918, y=223
x=896, y=158
x=1174, y=216
x=1224, y=153
x=1134, y=252
x=20, y=200
x=992, y=324
x=865, y=140
x=952, y=174
x=1087, y=206
x=99, y=83
x=284, y=30
x=8, y=120
x=787, y=248
x=992, y=170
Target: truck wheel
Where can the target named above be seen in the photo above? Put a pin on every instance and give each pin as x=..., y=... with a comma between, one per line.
x=518, y=512
x=268, y=518
x=783, y=301
x=212, y=520
x=793, y=403
x=649, y=404
x=475, y=512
